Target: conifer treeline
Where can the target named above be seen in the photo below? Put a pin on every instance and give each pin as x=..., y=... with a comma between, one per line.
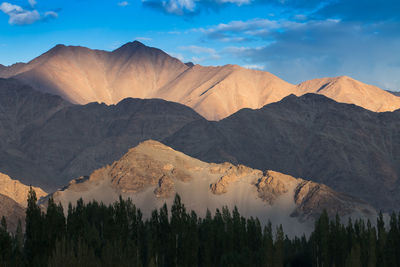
x=94, y=234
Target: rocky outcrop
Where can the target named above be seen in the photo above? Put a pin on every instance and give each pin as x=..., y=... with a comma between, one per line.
x=273, y=184
x=165, y=187
x=152, y=173
x=231, y=174
x=16, y=190
x=312, y=198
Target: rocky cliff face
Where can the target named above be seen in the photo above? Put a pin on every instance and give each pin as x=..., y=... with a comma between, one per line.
x=81, y=75
x=152, y=173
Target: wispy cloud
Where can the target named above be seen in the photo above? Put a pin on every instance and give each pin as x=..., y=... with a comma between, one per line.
x=241, y=31
x=202, y=53
x=143, y=38
x=330, y=48
x=20, y=16
x=123, y=3
x=190, y=7
x=32, y=2
x=177, y=55
x=198, y=49
x=254, y=66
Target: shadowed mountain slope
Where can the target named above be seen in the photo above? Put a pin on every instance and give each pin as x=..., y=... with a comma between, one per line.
x=46, y=142
x=343, y=146
x=348, y=148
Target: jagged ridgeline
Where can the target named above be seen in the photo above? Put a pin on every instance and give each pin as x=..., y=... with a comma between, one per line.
x=95, y=234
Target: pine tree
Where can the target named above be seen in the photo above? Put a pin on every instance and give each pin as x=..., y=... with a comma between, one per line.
x=354, y=259
x=279, y=247
x=5, y=243
x=54, y=224
x=268, y=244
x=34, y=232
x=371, y=245
x=381, y=242
x=320, y=240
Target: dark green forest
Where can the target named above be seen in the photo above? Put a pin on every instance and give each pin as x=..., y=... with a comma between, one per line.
x=94, y=234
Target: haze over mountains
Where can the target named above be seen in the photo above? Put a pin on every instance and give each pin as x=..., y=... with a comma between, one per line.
x=81, y=75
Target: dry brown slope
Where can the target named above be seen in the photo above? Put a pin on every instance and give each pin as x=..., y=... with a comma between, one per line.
x=347, y=90
x=217, y=92
x=82, y=75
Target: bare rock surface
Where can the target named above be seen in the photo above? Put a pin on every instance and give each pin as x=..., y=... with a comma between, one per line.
x=230, y=174
x=151, y=173
x=274, y=184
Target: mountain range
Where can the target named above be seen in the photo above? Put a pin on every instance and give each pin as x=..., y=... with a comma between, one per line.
x=81, y=75
x=245, y=134
x=348, y=148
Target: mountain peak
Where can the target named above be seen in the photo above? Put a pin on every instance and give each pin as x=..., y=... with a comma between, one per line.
x=131, y=46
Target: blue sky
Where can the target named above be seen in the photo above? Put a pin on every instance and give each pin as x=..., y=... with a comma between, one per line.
x=296, y=40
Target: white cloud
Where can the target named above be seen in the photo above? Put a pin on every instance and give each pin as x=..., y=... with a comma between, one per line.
x=8, y=8
x=143, y=38
x=123, y=3
x=254, y=67
x=206, y=52
x=178, y=7
x=177, y=55
x=51, y=14
x=184, y=7
x=19, y=16
x=32, y=2
x=198, y=49
x=237, y=2
x=241, y=31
